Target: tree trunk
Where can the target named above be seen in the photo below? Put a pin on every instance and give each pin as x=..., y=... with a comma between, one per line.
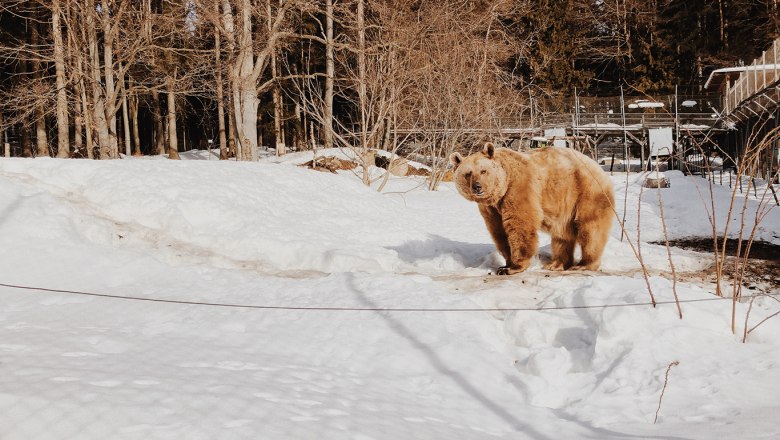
x=125, y=118
x=245, y=70
x=63, y=126
x=245, y=90
x=159, y=129
x=78, y=127
x=247, y=125
x=362, y=93
x=41, y=140
x=223, y=148
x=108, y=68
x=83, y=120
x=86, y=117
x=27, y=147
x=722, y=26
x=232, y=138
x=134, y=122
x=173, y=140
x=278, y=111
x=98, y=99
x=329, y=74
x=281, y=148
x=73, y=57
x=6, y=146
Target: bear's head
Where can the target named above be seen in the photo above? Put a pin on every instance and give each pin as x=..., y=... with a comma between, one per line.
x=479, y=177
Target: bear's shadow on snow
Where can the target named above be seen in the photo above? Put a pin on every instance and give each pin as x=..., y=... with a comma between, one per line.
x=436, y=246
x=470, y=255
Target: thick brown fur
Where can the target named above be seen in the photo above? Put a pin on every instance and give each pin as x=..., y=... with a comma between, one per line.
x=557, y=190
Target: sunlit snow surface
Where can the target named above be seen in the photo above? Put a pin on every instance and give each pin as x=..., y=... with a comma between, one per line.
x=275, y=234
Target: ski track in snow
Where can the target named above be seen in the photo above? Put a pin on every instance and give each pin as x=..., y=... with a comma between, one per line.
x=78, y=367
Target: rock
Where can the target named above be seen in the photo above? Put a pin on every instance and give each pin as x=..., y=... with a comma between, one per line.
x=447, y=175
x=656, y=182
x=399, y=167
x=610, y=161
x=368, y=158
x=330, y=163
x=413, y=171
x=381, y=161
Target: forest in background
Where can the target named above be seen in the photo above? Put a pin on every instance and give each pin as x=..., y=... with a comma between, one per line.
x=96, y=78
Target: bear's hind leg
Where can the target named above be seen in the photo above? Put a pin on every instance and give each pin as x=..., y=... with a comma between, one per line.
x=592, y=237
x=562, y=253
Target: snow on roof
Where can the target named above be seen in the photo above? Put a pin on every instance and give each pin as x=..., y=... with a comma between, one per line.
x=739, y=69
x=607, y=125
x=694, y=127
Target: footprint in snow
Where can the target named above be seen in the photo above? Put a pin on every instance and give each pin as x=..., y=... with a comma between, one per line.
x=106, y=383
x=146, y=382
x=79, y=354
x=107, y=345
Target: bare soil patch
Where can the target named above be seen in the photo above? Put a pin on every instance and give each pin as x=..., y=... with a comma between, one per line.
x=761, y=273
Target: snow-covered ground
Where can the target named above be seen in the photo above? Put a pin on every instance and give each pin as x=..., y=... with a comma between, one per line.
x=272, y=234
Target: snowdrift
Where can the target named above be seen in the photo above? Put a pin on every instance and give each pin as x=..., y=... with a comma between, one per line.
x=274, y=234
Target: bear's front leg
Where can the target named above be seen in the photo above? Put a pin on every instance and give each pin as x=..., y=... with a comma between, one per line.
x=496, y=228
x=523, y=243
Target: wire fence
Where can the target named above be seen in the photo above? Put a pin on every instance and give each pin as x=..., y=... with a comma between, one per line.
x=124, y=367
x=378, y=309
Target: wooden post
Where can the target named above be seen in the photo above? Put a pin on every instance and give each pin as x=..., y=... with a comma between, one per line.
x=755, y=78
x=774, y=59
x=726, y=105
x=595, y=146
x=677, y=125
x=625, y=139
x=642, y=147
x=763, y=68
x=739, y=87
x=4, y=137
x=576, y=112
x=612, y=163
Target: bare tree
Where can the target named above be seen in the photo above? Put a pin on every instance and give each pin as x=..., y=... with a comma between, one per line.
x=329, y=75
x=63, y=127
x=253, y=33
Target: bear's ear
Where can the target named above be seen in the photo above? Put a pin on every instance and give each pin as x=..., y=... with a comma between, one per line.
x=455, y=159
x=489, y=149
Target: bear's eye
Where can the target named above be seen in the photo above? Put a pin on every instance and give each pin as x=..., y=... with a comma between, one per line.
x=483, y=172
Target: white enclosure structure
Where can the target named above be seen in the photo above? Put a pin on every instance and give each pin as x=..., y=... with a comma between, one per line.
x=661, y=141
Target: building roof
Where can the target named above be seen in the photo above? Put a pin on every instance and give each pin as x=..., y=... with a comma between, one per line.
x=718, y=76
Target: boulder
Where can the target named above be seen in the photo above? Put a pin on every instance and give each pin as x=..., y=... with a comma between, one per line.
x=656, y=182
x=399, y=167
x=368, y=158
x=330, y=163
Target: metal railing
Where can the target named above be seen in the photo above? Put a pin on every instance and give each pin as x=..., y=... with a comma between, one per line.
x=762, y=73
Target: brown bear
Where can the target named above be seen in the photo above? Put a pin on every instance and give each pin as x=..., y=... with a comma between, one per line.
x=558, y=190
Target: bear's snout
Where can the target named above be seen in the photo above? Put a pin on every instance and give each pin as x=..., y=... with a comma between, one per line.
x=476, y=187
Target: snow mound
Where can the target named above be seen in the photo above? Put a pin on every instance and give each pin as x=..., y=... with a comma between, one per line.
x=589, y=365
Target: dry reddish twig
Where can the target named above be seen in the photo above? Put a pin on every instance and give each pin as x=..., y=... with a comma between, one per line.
x=763, y=321
x=668, y=248
x=663, y=390
x=638, y=252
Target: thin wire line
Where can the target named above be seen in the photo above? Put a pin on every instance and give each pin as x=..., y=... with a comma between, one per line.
x=369, y=309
